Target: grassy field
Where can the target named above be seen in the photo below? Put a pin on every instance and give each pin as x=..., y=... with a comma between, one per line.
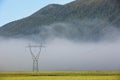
x=61, y=75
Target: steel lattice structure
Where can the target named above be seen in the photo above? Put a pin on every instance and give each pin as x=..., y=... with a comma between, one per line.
x=35, y=57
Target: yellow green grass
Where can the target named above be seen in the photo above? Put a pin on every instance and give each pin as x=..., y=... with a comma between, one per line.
x=61, y=75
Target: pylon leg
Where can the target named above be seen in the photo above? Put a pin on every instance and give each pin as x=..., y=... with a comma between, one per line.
x=35, y=66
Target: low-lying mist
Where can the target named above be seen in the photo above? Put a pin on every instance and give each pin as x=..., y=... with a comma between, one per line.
x=60, y=54
x=79, y=45
x=77, y=30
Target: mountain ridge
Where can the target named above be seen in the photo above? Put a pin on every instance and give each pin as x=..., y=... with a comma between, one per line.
x=73, y=13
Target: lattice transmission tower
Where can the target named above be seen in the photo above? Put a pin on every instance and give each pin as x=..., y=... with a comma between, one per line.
x=35, y=57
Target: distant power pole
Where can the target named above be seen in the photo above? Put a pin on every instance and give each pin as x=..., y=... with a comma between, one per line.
x=35, y=57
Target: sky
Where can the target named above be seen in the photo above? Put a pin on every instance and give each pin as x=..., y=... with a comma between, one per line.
x=11, y=10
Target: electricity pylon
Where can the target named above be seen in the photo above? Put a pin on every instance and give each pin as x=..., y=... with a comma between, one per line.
x=35, y=57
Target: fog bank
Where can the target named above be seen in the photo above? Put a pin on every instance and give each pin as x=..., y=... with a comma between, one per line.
x=60, y=54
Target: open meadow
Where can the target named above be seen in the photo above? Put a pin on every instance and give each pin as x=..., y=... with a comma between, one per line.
x=61, y=75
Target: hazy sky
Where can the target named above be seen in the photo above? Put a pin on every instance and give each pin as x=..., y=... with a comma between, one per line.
x=11, y=10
